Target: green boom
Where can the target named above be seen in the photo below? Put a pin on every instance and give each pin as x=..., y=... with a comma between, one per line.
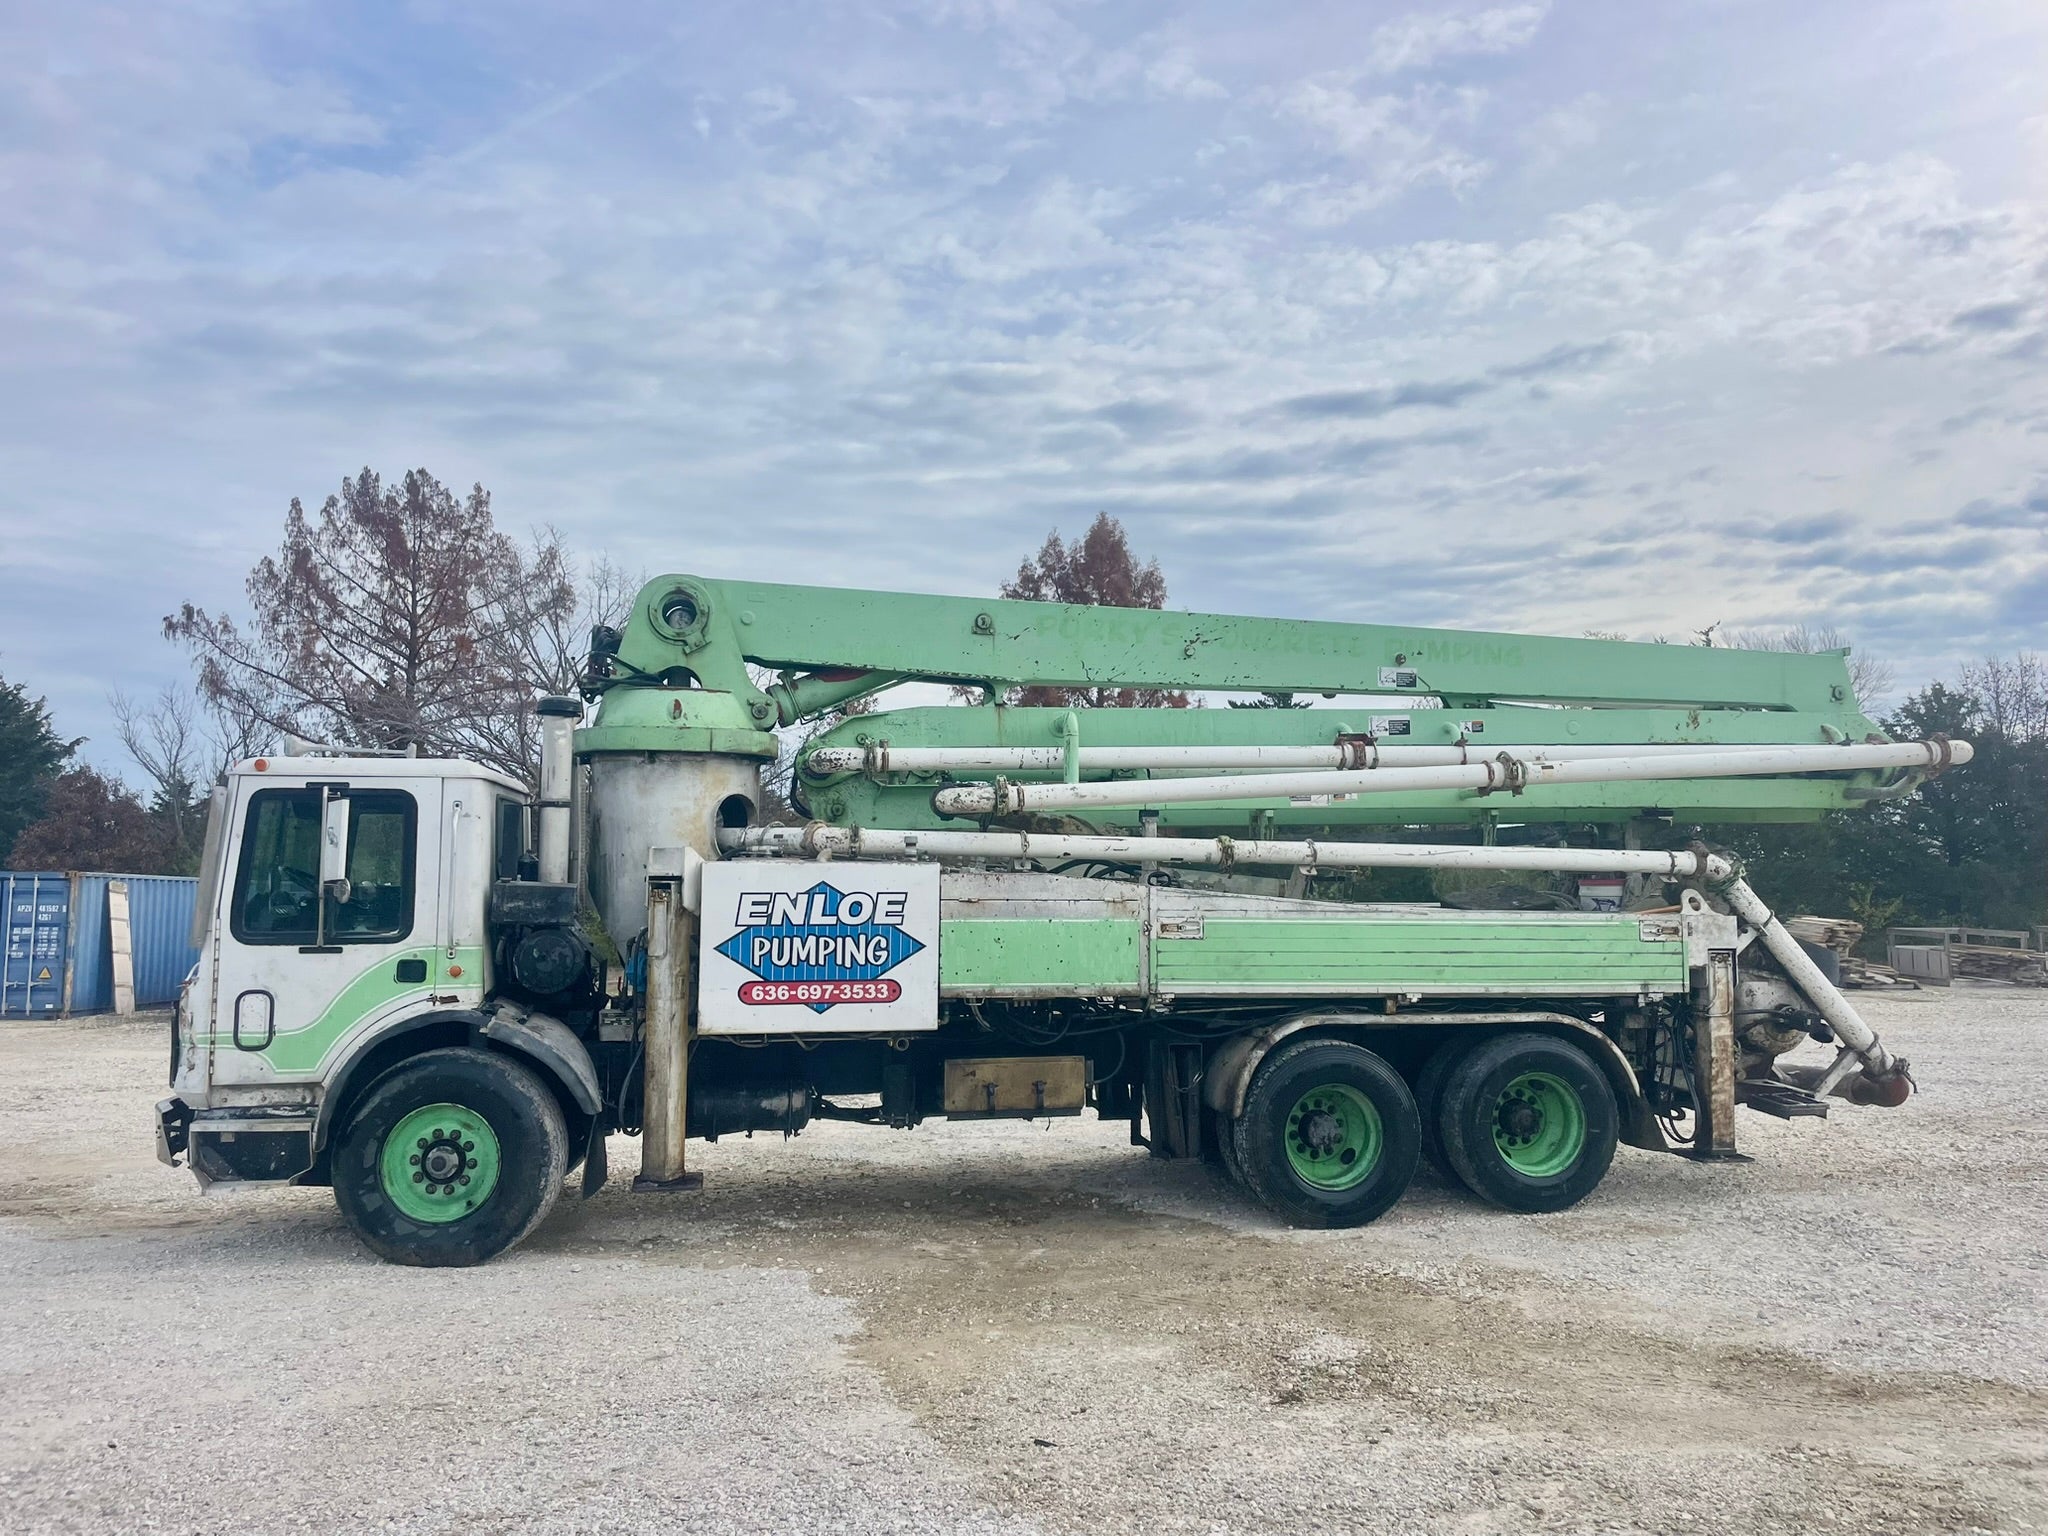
x=699, y=645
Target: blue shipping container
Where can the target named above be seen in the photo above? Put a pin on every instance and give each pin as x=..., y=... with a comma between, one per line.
x=159, y=930
x=37, y=917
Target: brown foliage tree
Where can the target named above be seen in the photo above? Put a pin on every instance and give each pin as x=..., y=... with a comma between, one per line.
x=398, y=617
x=1100, y=571
x=93, y=822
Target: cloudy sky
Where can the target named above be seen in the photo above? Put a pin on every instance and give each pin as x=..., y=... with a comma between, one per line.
x=1591, y=314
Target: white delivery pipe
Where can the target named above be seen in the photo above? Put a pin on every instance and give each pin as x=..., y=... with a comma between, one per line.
x=558, y=717
x=1860, y=1045
x=1859, y=1040
x=878, y=843
x=1504, y=772
x=1352, y=752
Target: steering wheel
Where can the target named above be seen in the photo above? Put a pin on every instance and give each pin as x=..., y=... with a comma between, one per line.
x=285, y=901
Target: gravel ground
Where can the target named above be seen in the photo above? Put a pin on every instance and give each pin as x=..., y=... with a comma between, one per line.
x=1020, y=1329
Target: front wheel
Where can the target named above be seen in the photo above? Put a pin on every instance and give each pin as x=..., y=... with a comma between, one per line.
x=1329, y=1135
x=1529, y=1122
x=451, y=1160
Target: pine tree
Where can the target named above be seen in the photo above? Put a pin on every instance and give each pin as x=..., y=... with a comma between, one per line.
x=32, y=754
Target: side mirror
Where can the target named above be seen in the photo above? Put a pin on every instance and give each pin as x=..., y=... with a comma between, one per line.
x=334, y=845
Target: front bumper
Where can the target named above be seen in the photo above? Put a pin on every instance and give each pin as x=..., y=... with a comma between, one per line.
x=173, y=1130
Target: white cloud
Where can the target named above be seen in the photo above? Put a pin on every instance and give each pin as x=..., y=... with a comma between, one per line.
x=1174, y=73
x=1391, y=144
x=1422, y=41
x=1564, y=133
x=879, y=298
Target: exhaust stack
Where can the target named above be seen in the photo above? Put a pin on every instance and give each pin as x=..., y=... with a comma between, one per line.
x=558, y=718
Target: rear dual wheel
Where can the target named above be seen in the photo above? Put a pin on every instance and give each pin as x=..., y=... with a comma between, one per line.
x=1329, y=1136
x=1429, y=1102
x=1526, y=1122
x=1225, y=1132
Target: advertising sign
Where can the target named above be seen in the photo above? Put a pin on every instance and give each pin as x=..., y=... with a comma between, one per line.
x=802, y=948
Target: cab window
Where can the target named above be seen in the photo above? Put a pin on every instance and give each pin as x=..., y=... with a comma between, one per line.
x=277, y=883
x=511, y=845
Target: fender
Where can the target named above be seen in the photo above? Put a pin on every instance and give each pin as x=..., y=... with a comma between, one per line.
x=543, y=1040
x=1231, y=1067
x=550, y=1043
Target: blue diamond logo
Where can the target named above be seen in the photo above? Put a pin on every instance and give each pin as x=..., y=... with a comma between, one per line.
x=824, y=948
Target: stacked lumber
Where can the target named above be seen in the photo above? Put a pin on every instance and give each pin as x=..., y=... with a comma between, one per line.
x=1842, y=936
x=1995, y=962
x=1861, y=975
x=1836, y=933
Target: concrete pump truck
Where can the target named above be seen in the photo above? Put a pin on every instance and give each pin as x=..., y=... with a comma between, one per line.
x=440, y=996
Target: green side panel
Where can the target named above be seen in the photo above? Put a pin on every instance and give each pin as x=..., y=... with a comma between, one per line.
x=1373, y=956
x=372, y=993
x=1039, y=954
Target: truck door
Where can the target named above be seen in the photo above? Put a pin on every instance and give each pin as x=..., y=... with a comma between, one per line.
x=305, y=962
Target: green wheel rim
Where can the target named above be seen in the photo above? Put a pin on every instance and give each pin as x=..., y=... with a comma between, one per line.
x=1333, y=1137
x=1539, y=1125
x=439, y=1163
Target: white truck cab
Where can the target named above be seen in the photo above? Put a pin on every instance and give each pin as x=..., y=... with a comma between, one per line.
x=343, y=899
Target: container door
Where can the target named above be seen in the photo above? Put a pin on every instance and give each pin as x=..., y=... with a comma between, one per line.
x=37, y=917
x=159, y=928
x=307, y=963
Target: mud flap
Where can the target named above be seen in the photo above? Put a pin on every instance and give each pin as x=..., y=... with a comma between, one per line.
x=1173, y=1099
x=594, y=1169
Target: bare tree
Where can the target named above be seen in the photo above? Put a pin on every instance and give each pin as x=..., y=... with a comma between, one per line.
x=534, y=634
x=165, y=737
x=183, y=743
x=398, y=617
x=1098, y=570
x=2012, y=693
x=1871, y=676
x=167, y=742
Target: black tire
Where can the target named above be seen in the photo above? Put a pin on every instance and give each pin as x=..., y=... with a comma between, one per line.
x=532, y=1158
x=1567, y=1086
x=1226, y=1152
x=1429, y=1102
x=1273, y=1118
